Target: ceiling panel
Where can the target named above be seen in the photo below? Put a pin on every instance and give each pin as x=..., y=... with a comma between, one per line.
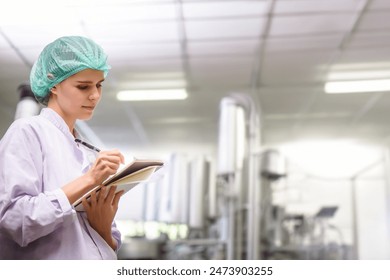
x=226, y=28
x=141, y=51
x=223, y=47
x=155, y=80
x=318, y=6
x=379, y=5
x=127, y=11
x=39, y=35
x=36, y=13
x=134, y=32
x=373, y=39
x=295, y=68
x=203, y=10
x=310, y=24
x=221, y=71
x=232, y=78
x=320, y=42
x=218, y=63
x=374, y=56
x=119, y=2
x=149, y=65
x=375, y=20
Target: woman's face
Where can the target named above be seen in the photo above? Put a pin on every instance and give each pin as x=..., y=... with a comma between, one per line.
x=77, y=96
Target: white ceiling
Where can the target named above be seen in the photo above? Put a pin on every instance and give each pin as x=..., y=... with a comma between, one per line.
x=280, y=52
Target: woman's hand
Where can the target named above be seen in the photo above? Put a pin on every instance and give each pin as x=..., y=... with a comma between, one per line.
x=101, y=210
x=105, y=165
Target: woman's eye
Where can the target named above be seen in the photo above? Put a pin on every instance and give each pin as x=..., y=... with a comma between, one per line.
x=99, y=85
x=82, y=87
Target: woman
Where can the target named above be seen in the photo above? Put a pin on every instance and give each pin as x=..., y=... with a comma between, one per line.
x=43, y=170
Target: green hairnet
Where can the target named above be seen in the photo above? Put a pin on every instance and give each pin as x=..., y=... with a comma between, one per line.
x=63, y=58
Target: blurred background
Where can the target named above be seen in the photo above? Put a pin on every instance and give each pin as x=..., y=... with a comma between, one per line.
x=272, y=117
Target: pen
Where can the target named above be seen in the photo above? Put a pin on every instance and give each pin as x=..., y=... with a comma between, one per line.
x=87, y=145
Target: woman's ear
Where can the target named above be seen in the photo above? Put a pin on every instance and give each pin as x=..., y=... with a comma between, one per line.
x=53, y=90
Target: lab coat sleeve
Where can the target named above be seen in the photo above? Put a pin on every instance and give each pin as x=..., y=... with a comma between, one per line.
x=117, y=236
x=26, y=211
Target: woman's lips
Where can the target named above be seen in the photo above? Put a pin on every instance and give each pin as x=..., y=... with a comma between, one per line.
x=89, y=107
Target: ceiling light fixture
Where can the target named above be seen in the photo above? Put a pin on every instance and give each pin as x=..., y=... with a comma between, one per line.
x=358, y=75
x=357, y=86
x=149, y=94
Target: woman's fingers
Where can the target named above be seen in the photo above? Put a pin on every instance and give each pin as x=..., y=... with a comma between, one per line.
x=112, y=156
x=86, y=204
x=102, y=194
x=93, y=198
x=111, y=194
x=115, y=153
x=107, y=195
x=111, y=162
x=105, y=165
x=117, y=197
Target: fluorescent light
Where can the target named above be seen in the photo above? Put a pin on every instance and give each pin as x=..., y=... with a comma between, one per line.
x=357, y=86
x=359, y=75
x=146, y=95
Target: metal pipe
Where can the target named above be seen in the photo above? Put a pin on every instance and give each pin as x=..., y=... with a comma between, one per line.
x=230, y=252
x=387, y=189
x=355, y=232
x=254, y=194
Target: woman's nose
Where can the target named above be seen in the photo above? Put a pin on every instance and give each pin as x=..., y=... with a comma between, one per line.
x=95, y=94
